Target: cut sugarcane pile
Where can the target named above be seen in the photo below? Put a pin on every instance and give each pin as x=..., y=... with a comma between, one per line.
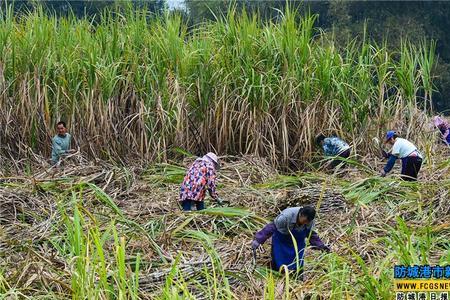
x=330, y=199
x=192, y=269
x=185, y=253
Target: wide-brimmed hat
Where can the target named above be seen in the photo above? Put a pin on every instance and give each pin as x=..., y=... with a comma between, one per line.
x=212, y=157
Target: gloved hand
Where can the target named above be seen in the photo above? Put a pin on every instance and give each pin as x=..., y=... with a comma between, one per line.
x=219, y=201
x=255, y=245
x=326, y=249
x=383, y=173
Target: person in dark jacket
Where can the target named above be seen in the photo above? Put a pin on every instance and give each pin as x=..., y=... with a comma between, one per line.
x=289, y=232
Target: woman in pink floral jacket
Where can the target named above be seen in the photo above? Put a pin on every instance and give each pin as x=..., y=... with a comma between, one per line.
x=200, y=177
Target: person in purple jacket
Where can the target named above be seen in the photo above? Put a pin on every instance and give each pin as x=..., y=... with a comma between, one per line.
x=444, y=129
x=293, y=225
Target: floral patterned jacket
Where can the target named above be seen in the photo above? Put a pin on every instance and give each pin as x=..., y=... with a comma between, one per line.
x=200, y=177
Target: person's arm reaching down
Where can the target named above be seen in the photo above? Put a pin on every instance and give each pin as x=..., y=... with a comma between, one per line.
x=265, y=233
x=281, y=223
x=390, y=163
x=212, y=184
x=317, y=243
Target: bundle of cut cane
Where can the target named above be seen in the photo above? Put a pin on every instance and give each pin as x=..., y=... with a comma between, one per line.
x=330, y=199
x=190, y=269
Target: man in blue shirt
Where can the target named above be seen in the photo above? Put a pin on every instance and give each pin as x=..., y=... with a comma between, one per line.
x=61, y=143
x=333, y=147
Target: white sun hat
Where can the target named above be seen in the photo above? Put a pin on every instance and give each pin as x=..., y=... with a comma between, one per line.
x=212, y=157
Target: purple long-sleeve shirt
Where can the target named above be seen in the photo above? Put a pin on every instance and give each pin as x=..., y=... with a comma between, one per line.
x=286, y=222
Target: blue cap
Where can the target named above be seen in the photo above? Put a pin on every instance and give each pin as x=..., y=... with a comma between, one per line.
x=390, y=134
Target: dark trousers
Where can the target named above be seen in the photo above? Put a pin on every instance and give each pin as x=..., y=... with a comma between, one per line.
x=410, y=168
x=187, y=204
x=336, y=162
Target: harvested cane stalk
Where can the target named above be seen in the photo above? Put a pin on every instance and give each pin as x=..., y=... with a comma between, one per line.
x=332, y=200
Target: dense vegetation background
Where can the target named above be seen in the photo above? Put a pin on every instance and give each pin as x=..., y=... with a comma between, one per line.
x=381, y=20
x=139, y=93
x=257, y=80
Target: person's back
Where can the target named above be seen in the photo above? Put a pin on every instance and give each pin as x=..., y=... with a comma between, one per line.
x=197, y=180
x=403, y=148
x=200, y=177
x=333, y=146
x=287, y=221
x=407, y=152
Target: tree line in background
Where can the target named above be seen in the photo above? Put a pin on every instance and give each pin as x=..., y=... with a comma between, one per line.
x=380, y=20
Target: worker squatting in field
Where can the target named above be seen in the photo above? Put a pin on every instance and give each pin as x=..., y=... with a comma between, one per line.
x=289, y=232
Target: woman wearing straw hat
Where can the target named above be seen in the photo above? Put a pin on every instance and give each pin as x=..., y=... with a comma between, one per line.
x=200, y=177
x=289, y=231
x=407, y=152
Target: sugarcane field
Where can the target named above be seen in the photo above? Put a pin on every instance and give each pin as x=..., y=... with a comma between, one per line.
x=182, y=149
